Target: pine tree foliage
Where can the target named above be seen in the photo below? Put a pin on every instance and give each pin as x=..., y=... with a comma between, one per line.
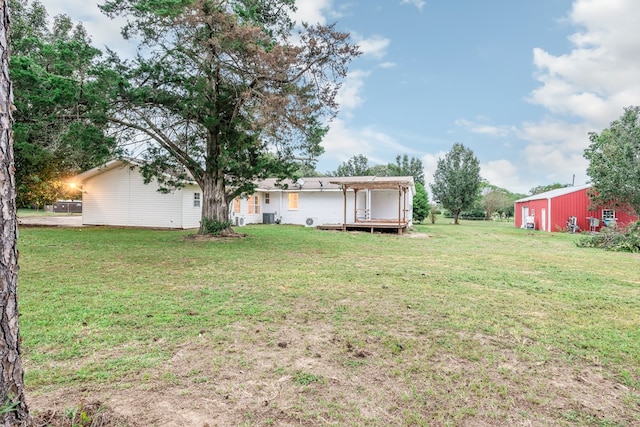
x=229, y=91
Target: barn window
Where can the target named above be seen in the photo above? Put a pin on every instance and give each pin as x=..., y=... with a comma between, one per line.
x=608, y=216
x=196, y=200
x=236, y=205
x=254, y=204
x=267, y=198
x=293, y=201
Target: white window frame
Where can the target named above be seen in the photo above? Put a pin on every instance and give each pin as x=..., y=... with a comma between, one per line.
x=196, y=200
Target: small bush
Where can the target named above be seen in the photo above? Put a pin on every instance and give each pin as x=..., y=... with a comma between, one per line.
x=214, y=227
x=614, y=238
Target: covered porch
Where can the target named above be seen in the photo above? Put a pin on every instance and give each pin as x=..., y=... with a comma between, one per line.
x=375, y=205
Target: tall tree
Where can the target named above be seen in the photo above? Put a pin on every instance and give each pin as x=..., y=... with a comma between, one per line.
x=60, y=124
x=614, y=163
x=420, y=203
x=408, y=167
x=498, y=200
x=456, y=182
x=225, y=91
x=14, y=407
x=379, y=170
x=358, y=165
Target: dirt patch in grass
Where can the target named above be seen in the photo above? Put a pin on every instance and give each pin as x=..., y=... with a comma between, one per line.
x=214, y=237
x=415, y=235
x=312, y=372
x=89, y=414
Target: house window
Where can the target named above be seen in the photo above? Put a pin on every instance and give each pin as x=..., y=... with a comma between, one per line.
x=254, y=204
x=236, y=205
x=196, y=200
x=293, y=201
x=267, y=198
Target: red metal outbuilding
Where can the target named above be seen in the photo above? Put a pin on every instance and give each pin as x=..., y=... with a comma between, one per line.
x=552, y=210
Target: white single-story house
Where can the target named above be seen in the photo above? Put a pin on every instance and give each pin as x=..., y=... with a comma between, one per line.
x=317, y=201
x=115, y=194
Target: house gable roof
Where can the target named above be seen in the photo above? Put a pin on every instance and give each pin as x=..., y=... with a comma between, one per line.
x=554, y=193
x=110, y=165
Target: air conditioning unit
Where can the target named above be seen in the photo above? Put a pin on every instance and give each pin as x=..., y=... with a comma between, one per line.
x=311, y=222
x=241, y=221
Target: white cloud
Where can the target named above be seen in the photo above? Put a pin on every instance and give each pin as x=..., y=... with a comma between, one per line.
x=343, y=142
x=387, y=65
x=420, y=4
x=485, y=129
x=350, y=95
x=375, y=46
x=555, y=149
x=584, y=89
x=430, y=163
x=312, y=11
x=600, y=75
x=504, y=174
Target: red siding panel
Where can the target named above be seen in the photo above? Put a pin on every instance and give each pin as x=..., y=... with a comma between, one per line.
x=560, y=208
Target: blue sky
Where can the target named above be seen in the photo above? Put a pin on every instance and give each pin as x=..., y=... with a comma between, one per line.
x=521, y=83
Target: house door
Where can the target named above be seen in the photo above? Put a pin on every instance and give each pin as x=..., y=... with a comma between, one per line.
x=525, y=214
x=543, y=214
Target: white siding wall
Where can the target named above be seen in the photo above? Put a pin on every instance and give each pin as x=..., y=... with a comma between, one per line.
x=191, y=215
x=384, y=204
x=326, y=206
x=120, y=197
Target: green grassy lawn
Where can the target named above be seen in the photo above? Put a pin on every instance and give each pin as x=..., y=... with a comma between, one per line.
x=477, y=324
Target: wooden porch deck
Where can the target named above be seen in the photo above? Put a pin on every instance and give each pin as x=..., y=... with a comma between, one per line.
x=371, y=226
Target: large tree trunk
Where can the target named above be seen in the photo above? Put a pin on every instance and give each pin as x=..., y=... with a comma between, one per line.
x=455, y=217
x=13, y=407
x=214, y=204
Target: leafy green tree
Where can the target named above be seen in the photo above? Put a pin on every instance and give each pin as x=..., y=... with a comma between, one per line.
x=308, y=170
x=614, y=163
x=224, y=92
x=497, y=200
x=14, y=410
x=544, y=188
x=59, y=128
x=379, y=170
x=358, y=165
x=456, y=182
x=408, y=167
x=420, y=203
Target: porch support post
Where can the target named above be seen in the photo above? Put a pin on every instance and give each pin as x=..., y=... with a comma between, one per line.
x=344, y=223
x=399, y=204
x=404, y=210
x=355, y=205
